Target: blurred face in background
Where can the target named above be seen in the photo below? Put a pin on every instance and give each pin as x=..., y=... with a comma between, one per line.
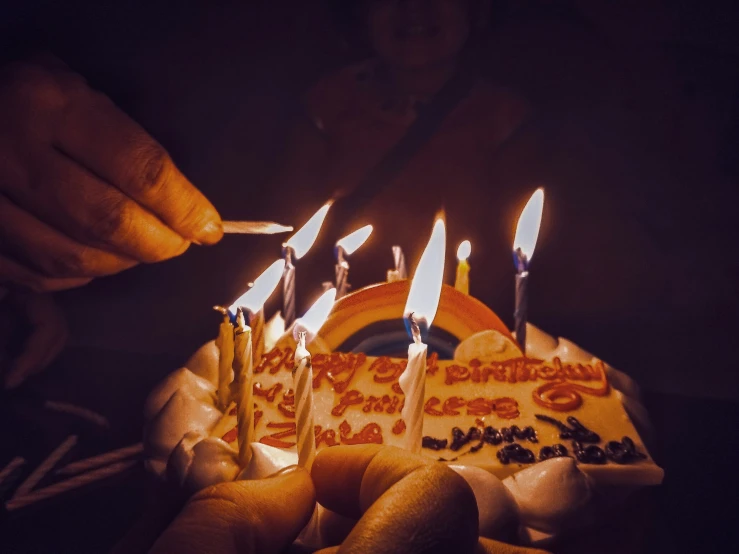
x=417, y=34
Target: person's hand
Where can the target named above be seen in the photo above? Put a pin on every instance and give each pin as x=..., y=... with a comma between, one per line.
x=403, y=503
x=84, y=190
x=32, y=333
x=243, y=517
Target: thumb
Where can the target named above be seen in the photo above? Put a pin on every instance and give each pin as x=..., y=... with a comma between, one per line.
x=243, y=517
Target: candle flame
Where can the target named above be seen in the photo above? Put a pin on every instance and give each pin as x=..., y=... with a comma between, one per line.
x=527, y=229
x=353, y=241
x=316, y=316
x=304, y=238
x=464, y=250
x=262, y=289
x=423, y=298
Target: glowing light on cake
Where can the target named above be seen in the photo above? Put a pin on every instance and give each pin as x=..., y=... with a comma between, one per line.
x=295, y=248
x=306, y=236
x=253, y=301
x=423, y=298
x=315, y=317
x=263, y=287
x=420, y=309
x=346, y=247
x=305, y=330
x=462, y=281
x=524, y=243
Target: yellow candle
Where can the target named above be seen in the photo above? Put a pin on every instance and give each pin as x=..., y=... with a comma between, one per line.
x=462, y=282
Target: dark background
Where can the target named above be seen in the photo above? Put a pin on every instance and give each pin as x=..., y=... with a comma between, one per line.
x=649, y=89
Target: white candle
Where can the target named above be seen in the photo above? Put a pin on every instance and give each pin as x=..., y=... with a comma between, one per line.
x=305, y=330
x=420, y=309
x=413, y=384
x=527, y=231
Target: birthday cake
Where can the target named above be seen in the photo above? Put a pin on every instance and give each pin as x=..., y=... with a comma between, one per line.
x=536, y=436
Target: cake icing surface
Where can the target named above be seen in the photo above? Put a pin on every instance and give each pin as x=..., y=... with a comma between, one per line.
x=552, y=426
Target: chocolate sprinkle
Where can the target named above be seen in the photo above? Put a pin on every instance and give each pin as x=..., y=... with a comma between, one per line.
x=555, y=451
x=577, y=431
x=590, y=454
x=492, y=436
x=434, y=444
x=516, y=453
x=623, y=452
x=459, y=439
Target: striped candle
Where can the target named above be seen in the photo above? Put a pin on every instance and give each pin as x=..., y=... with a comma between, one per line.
x=303, y=384
x=243, y=375
x=225, y=344
x=413, y=384
x=288, y=288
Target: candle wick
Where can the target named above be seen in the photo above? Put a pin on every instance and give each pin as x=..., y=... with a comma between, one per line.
x=288, y=253
x=415, y=329
x=522, y=261
x=240, y=321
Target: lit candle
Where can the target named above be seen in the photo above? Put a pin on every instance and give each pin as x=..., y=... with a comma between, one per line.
x=225, y=344
x=400, y=272
x=243, y=378
x=462, y=282
x=345, y=247
x=420, y=309
x=251, y=301
x=294, y=249
x=527, y=231
x=304, y=331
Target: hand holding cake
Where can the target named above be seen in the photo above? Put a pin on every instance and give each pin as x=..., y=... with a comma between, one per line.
x=401, y=502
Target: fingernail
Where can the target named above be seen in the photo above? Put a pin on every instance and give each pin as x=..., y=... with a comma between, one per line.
x=211, y=233
x=283, y=471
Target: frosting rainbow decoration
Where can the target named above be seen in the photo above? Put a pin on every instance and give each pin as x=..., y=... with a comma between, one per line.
x=370, y=320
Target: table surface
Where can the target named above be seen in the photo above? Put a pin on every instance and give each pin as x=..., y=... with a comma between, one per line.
x=696, y=443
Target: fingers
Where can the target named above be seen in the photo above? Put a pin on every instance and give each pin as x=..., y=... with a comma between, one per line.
x=86, y=209
x=101, y=137
x=11, y=272
x=409, y=504
x=95, y=194
x=43, y=345
x=243, y=517
x=339, y=474
x=52, y=253
x=489, y=546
